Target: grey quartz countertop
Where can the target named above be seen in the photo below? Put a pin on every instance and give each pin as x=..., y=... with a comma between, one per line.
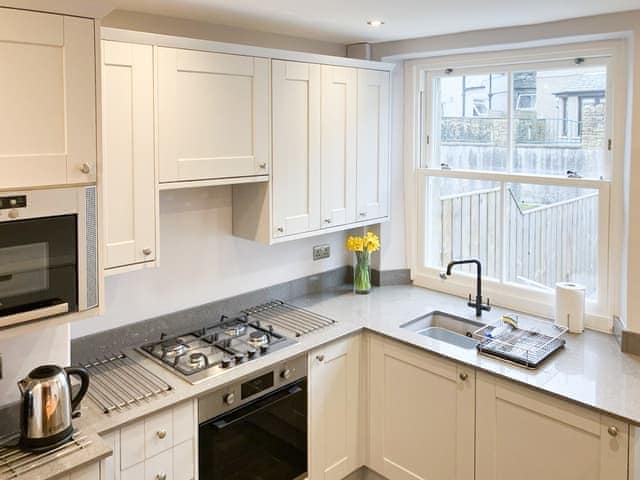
x=590, y=371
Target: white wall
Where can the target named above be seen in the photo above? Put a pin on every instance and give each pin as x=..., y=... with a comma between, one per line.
x=200, y=261
x=625, y=24
x=22, y=354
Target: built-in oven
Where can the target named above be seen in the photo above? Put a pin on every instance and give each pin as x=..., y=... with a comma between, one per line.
x=256, y=428
x=48, y=253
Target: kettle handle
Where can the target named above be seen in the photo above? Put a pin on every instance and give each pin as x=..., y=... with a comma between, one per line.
x=83, y=374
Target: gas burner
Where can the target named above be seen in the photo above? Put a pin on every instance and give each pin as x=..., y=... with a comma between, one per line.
x=198, y=360
x=175, y=350
x=236, y=330
x=258, y=338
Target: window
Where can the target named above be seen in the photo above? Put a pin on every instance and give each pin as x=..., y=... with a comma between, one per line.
x=515, y=170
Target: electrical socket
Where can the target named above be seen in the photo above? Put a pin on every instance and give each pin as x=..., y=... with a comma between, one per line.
x=321, y=251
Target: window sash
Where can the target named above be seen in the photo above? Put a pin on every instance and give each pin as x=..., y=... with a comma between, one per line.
x=526, y=298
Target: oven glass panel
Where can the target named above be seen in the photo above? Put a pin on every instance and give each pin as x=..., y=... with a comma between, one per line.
x=256, y=385
x=265, y=439
x=38, y=264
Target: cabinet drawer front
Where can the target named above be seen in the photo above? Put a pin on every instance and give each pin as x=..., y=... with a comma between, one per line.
x=135, y=472
x=213, y=114
x=89, y=472
x=158, y=431
x=132, y=441
x=159, y=467
x=183, y=461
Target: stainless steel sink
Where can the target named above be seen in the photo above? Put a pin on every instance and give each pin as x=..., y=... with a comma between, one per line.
x=446, y=328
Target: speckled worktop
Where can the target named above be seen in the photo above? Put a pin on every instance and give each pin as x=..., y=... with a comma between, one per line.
x=591, y=370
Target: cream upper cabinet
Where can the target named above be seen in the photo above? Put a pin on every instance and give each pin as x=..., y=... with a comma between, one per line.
x=128, y=146
x=421, y=414
x=373, y=145
x=296, y=147
x=48, y=121
x=338, y=145
x=528, y=435
x=334, y=409
x=213, y=115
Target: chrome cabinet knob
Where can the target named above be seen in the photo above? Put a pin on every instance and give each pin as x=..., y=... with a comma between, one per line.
x=85, y=168
x=161, y=476
x=161, y=433
x=320, y=358
x=363, y=214
x=229, y=398
x=263, y=166
x=327, y=220
x=613, y=431
x=280, y=229
x=146, y=251
x=463, y=376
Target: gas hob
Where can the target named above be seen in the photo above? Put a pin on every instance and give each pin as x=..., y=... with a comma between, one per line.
x=210, y=351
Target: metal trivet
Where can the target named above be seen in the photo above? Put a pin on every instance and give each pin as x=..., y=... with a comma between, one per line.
x=118, y=382
x=295, y=320
x=15, y=462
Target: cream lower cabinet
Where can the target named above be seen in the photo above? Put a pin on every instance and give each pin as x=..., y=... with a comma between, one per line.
x=526, y=435
x=162, y=446
x=421, y=414
x=88, y=472
x=213, y=115
x=129, y=161
x=48, y=121
x=334, y=409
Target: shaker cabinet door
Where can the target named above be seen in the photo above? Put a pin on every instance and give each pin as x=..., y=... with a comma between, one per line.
x=48, y=98
x=373, y=145
x=213, y=115
x=528, y=435
x=128, y=146
x=296, y=147
x=421, y=414
x=338, y=145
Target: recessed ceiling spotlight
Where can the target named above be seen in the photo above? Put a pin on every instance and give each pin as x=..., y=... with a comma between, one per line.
x=375, y=23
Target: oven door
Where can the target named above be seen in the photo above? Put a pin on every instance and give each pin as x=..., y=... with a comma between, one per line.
x=38, y=268
x=265, y=439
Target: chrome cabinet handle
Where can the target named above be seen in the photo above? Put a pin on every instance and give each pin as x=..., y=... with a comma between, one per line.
x=85, y=168
x=280, y=229
x=161, y=476
x=161, y=433
x=327, y=220
x=320, y=358
x=363, y=214
x=146, y=251
x=263, y=166
x=613, y=431
x=463, y=376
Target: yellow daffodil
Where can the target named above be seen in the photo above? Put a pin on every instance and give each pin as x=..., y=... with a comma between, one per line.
x=367, y=243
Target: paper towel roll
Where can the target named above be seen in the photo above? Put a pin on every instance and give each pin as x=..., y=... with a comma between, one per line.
x=570, y=306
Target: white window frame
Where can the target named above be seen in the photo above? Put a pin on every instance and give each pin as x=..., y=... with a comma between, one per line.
x=421, y=162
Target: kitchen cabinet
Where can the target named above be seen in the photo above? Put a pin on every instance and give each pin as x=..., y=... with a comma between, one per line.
x=48, y=121
x=330, y=165
x=161, y=445
x=334, y=409
x=421, y=410
x=373, y=144
x=128, y=154
x=213, y=115
x=338, y=145
x=88, y=472
x=528, y=435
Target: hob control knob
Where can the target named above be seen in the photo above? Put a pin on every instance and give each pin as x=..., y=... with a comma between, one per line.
x=251, y=352
x=286, y=373
x=226, y=362
x=229, y=398
x=264, y=348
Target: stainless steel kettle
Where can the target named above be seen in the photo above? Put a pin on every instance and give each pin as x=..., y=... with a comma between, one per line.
x=45, y=414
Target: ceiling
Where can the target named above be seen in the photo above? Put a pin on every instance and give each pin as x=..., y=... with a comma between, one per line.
x=344, y=21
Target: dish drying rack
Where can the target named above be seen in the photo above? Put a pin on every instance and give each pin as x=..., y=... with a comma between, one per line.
x=527, y=345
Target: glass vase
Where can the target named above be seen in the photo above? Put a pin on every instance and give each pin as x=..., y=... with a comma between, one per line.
x=362, y=273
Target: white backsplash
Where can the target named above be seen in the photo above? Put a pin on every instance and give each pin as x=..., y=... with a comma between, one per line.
x=23, y=353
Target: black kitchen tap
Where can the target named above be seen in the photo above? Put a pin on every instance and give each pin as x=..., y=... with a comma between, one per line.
x=478, y=305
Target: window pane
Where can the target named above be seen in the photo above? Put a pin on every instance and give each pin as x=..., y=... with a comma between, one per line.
x=560, y=121
x=471, y=114
x=551, y=235
x=463, y=221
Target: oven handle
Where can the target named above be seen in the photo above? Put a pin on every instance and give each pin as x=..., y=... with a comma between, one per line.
x=259, y=405
x=35, y=314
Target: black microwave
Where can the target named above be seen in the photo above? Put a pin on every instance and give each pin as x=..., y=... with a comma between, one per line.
x=48, y=253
